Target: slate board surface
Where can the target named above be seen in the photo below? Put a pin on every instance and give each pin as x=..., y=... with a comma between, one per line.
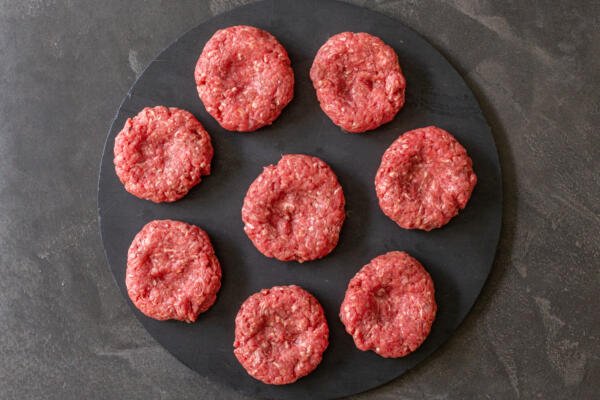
x=458, y=256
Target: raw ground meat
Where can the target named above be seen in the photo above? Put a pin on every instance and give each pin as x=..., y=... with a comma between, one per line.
x=358, y=81
x=389, y=305
x=161, y=153
x=172, y=271
x=280, y=334
x=425, y=179
x=295, y=210
x=244, y=78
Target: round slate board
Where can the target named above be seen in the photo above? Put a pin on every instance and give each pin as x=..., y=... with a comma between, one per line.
x=458, y=256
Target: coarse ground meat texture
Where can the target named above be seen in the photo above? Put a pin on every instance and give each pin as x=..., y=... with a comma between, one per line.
x=389, y=305
x=172, y=271
x=295, y=210
x=358, y=81
x=280, y=334
x=425, y=179
x=161, y=153
x=244, y=78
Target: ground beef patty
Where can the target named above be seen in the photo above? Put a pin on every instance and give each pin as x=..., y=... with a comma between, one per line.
x=172, y=271
x=389, y=305
x=425, y=179
x=161, y=153
x=358, y=81
x=294, y=210
x=280, y=334
x=244, y=78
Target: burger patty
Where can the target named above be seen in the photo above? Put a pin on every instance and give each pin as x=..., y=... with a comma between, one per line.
x=161, y=153
x=280, y=334
x=389, y=305
x=425, y=179
x=172, y=271
x=295, y=210
x=244, y=78
x=358, y=80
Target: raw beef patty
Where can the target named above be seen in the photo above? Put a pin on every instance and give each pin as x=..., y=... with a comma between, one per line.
x=389, y=305
x=161, y=153
x=244, y=78
x=295, y=210
x=280, y=334
x=425, y=179
x=172, y=271
x=358, y=81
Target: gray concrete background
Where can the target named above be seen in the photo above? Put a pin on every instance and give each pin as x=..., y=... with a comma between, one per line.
x=66, y=332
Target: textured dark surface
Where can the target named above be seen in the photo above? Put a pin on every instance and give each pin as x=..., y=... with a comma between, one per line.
x=458, y=257
x=67, y=333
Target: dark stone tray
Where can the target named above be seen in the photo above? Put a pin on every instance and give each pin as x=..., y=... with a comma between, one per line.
x=458, y=256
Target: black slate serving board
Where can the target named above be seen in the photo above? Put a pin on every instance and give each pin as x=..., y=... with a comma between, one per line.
x=458, y=256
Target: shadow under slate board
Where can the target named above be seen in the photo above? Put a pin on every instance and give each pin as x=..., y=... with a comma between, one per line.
x=458, y=256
